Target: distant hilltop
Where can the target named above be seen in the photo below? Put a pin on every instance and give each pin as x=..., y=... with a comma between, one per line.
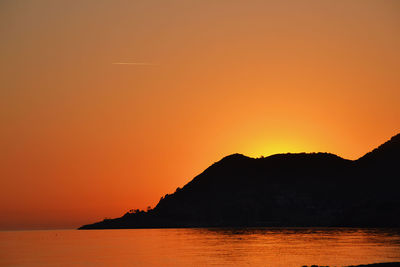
x=303, y=189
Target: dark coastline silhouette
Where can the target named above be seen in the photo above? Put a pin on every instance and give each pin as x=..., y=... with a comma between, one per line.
x=385, y=264
x=303, y=189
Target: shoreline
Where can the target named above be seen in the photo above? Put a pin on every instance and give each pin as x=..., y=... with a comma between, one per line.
x=383, y=264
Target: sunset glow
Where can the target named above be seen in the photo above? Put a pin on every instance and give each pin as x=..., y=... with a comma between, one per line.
x=107, y=105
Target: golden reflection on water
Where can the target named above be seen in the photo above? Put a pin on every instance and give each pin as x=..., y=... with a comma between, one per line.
x=200, y=247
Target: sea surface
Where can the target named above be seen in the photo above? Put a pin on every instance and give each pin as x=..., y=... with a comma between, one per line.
x=200, y=247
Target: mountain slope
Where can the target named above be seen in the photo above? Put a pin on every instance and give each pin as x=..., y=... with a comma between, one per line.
x=317, y=189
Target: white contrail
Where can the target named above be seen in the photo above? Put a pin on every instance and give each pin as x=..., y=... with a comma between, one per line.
x=135, y=63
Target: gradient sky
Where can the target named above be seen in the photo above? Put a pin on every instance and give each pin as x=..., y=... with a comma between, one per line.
x=84, y=137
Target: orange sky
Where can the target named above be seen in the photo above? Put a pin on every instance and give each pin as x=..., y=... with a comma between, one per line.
x=83, y=138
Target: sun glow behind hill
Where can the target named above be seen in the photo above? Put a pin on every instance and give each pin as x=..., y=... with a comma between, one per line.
x=278, y=146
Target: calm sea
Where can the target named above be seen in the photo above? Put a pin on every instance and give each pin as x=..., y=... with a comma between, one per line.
x=199, y=247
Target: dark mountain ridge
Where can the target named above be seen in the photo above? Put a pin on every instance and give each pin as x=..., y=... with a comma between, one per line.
x=303, y=189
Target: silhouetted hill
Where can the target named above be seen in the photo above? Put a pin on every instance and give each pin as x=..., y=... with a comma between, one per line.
x=316, y=189
x=388, y=152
